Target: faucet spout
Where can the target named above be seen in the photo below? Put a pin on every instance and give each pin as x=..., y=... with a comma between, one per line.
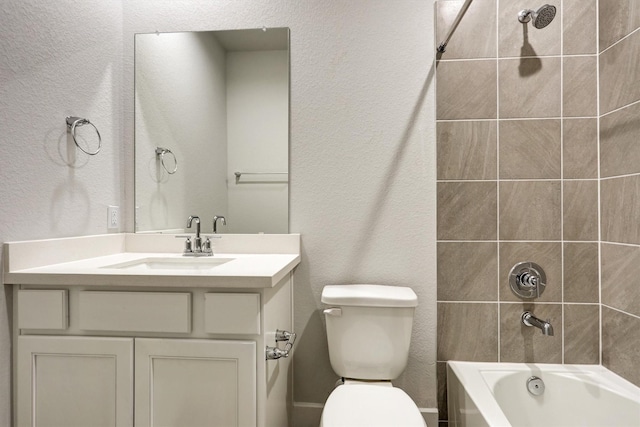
x=198, y=240
x=215, y=223
x=528, y=319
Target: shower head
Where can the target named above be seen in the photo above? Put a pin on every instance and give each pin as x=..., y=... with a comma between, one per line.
x=541, y=17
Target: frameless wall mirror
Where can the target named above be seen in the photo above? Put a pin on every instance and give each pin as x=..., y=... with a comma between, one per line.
x=212, y=130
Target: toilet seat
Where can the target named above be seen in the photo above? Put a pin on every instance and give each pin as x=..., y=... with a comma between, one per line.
x=370, y=405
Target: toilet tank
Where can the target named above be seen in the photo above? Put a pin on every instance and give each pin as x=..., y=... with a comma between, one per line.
x=369, y=329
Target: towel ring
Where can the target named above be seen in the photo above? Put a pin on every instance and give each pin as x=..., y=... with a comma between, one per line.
x=73, y=122
x=160, y=152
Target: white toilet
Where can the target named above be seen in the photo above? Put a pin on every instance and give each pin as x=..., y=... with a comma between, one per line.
x=369, y=332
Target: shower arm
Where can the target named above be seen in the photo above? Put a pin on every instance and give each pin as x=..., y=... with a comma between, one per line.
x=442, y=46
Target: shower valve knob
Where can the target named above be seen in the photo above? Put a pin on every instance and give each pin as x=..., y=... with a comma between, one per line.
x=527, y=280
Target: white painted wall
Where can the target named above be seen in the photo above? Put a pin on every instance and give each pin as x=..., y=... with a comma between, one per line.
x=362, y=155
x=258, y=140
x=58, y=58
x=180, y=105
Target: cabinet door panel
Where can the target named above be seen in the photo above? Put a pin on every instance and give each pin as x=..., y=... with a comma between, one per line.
x=73, y=381
x=195, y=383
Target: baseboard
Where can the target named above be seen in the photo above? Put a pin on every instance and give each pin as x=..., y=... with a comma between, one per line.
x=307, y=414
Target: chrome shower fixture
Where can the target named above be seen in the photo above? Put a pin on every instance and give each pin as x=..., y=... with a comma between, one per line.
x=541, y=17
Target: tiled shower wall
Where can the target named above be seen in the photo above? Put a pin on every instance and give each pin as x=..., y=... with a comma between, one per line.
x=620, y=185
x=517, y=152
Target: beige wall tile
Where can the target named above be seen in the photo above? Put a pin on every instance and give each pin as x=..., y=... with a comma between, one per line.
x=520, y=343
x=467, y=271
x=621, y=277
x=580, y=210
x=466, y=90
x=581, y=282
x=620, y=209
x=579, y=24
x=529, y=149
x=517, y=39
x=466, y=150
x=530, y=210
x=619, y=148
x=475, y=36
x=467, y=211
x=529, y=88
x=580, y=86
x=619, y=74
x=461, y=336
x=546, y=254
x=581, y=333
x=580, y=148
x=620, y=338
x=617, y=19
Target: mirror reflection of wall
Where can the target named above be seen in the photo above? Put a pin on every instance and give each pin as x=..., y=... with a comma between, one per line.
x=219, y=101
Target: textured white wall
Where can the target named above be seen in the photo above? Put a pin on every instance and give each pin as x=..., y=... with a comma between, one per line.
x=57, y=59
x=362, y=156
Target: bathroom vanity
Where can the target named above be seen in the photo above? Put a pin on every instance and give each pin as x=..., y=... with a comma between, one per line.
x=123, y=330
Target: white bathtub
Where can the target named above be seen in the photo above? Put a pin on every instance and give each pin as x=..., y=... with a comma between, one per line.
x=496, y=395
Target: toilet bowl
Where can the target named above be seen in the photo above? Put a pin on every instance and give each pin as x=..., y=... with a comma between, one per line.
x=365, y=404
x=368, y=334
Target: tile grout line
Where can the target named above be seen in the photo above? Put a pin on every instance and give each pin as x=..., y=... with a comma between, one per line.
x=524, y=179
x=514, y=58
x=599, y=112
x=497, y=184
x=621, y=311
x=616, y=176
x=614, y=43
x=528, y=179
x=562, y=313
x=615, y=110
x=508, y=119
x=532, y=241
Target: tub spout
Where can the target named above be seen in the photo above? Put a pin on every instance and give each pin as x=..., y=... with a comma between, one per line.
x=528, y=319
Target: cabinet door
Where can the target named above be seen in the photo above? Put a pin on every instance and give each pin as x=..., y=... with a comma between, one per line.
x=74, y=381
x=195, y=383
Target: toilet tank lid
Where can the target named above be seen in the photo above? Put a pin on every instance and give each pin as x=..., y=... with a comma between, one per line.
x=369, y=295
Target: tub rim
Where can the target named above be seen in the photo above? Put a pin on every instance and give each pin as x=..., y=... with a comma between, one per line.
x=469, y=375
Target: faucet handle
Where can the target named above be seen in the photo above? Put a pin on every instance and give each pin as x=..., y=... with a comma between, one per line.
x=206, y=247
x=187, y=246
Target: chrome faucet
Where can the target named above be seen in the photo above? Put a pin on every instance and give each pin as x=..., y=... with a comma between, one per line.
x=199, y=248
x=215, y=223
x=528, y=319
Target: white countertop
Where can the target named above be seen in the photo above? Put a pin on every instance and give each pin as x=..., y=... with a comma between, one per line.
x=244, y=270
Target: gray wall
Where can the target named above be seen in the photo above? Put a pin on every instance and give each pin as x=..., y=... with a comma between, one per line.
x=362, y=145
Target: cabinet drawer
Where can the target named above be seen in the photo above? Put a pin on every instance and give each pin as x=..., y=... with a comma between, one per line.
x=135, y=311
x=42, y=309
x=226, y=313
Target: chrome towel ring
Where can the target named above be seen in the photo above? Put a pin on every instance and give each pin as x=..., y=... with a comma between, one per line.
x=160, y=152
x=73, y=123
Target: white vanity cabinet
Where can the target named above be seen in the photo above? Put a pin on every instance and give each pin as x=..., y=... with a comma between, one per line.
x=133, y=356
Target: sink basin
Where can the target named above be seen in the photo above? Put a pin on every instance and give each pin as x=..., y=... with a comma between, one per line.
x=153, y=263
